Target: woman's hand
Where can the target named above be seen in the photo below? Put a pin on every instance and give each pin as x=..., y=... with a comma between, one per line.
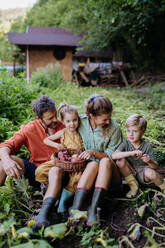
x=86, y=154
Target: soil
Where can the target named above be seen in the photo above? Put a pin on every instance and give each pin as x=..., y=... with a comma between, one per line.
x=119, y=215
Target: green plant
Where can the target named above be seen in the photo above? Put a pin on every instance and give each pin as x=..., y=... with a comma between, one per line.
x=95, y=237
x=50, y=76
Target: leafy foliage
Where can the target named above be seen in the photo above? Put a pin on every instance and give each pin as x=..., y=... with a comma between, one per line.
x=50, y=77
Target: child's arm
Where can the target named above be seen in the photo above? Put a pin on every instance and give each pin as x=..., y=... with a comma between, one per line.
x=119, y=155
x=152, y=164
x=50, y=140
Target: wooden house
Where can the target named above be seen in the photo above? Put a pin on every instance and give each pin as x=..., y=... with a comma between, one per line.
x=51, y=45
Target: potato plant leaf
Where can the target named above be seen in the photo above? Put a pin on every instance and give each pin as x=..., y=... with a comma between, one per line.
x=56, y=231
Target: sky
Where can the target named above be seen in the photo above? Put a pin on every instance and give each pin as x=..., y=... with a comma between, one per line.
x=11, y=4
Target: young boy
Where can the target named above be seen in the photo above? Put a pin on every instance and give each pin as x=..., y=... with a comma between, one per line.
x=135, y=157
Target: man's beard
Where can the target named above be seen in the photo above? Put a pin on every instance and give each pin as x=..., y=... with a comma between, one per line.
x=51, y=126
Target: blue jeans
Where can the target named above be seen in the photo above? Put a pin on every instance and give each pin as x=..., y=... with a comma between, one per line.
x=29, y=173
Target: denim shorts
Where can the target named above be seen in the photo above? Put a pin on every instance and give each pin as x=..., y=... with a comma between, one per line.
x=29, y=173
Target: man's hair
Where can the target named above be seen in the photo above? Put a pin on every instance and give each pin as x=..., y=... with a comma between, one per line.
x=42, y=105
x=137, y=120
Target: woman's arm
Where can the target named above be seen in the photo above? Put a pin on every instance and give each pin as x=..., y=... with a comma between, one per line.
x=50, y=140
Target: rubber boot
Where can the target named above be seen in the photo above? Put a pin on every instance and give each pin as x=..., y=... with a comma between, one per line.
x=65, y=200
x=79, y=200
x=133, y=184
x=97, y=201
x=42, y=217
x=162, y=187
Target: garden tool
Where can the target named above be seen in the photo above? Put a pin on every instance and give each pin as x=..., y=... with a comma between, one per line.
x=65, y=201
x=42, y=217
x=97, y=201
x=133, y=184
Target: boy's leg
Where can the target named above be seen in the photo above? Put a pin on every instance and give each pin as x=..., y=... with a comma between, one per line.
x=153, y=176
x=127, y=172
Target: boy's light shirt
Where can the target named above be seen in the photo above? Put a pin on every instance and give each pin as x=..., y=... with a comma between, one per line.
x=94, y=139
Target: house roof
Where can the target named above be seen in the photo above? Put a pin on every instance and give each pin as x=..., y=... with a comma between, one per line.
x=44, y=36
x=52, y=36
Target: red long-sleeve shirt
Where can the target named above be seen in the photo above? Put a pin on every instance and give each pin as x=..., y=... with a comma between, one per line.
x=32, y=135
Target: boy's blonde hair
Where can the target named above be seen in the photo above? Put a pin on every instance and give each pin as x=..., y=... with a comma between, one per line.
x=136, y=120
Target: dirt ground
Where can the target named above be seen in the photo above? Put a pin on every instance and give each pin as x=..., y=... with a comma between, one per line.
x=119, y=214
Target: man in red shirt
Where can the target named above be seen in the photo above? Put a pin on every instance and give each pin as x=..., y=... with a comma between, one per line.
x=32, y=135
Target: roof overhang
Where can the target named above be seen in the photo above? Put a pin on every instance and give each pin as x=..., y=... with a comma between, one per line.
x=31, y=39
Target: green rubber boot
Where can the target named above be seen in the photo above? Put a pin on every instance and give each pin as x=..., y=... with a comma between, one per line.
x=45, y=211
x=65, y=201
x=97, y=201
x=79, y=200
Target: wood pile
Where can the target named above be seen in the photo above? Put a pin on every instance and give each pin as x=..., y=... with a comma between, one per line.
x=117, y=76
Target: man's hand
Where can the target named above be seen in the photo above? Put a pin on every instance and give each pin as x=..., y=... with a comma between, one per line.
x=86, y=154
x=136, y=153
x=12, y=168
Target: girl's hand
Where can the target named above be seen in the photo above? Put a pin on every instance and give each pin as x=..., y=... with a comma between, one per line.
x=60, y=147
x=146, y=158
x=86, y=154
x=137, y=153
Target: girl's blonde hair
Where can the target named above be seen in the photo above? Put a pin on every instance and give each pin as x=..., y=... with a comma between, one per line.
x=98, y=105
x=65, y=108
x=136, y=120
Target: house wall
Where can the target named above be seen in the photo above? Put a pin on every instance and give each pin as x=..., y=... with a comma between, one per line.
x=39, y=58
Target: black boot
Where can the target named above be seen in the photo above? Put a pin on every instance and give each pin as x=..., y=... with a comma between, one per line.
x=42, y=217
x=97, y=201
x=79, y=200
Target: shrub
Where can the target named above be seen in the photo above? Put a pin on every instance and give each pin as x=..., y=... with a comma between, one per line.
x=15, y=98
x=50, y=76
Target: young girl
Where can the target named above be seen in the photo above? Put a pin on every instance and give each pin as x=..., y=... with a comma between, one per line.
x=70, y=138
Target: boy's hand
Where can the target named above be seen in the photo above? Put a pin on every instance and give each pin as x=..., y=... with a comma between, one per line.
x=137, y=153
x=146, y=158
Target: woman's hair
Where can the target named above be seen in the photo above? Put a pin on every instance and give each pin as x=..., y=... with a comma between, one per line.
x=136, y=120
x=98, y=105
x=42, y=105
x=65, y=108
